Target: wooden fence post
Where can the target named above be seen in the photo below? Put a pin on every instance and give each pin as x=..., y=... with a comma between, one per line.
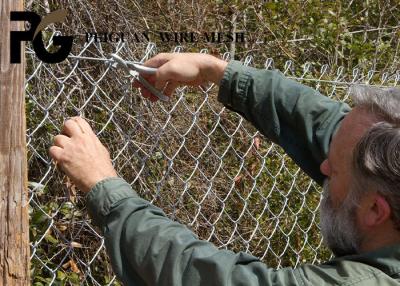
x=14, y=221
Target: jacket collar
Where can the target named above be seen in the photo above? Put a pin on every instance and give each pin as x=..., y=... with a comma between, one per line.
x=386, y=259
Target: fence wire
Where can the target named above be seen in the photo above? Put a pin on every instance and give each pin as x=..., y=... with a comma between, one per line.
x=203, y=165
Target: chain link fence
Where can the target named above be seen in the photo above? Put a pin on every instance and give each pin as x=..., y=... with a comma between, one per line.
x=205, y=166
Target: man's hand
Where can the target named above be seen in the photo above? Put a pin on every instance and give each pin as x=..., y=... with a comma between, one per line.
x=80, y=154
x=176, y=69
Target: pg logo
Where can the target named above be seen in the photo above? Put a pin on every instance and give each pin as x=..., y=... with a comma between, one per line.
x=37, y=24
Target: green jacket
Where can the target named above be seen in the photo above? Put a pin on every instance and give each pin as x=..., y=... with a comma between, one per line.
x=147, y=248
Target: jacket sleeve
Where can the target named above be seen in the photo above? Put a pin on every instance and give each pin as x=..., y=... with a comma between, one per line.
x=296, y=117
x=147, y=248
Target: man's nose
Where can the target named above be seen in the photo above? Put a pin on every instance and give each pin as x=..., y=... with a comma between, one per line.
x=325, y=169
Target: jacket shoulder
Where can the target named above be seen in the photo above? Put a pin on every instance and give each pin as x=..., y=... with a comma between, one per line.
x=343, y=273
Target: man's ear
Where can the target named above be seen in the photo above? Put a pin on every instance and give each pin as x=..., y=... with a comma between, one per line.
x=377, y=210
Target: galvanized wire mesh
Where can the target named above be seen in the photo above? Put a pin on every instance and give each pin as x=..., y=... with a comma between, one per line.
x=202, y=164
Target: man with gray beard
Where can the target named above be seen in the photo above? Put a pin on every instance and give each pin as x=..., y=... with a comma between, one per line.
x=355, y=153
x=339, y=226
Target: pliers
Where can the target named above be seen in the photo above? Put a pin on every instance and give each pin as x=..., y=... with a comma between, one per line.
x=135, y=69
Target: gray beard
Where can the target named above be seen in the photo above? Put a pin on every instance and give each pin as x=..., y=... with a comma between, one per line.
x=338, y=225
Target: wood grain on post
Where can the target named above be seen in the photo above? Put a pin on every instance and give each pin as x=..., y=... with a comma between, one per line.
x=14, y=221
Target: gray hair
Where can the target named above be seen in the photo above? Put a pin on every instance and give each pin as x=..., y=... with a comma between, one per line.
x=376, y=158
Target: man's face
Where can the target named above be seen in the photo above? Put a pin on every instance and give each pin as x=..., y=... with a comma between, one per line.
x=339, y=206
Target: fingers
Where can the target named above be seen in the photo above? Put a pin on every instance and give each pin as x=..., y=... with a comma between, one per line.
x=147, y=94
x=76, y=126
x=152, y=97
x=168, y=91
x=55, y=153
x=159, y=60
x=164, y=74
x=171, y=86
x=61, y=141
x=137, y=84
x=167, y=73
x=84, y=125
x=144, y=91
x=71, y=128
